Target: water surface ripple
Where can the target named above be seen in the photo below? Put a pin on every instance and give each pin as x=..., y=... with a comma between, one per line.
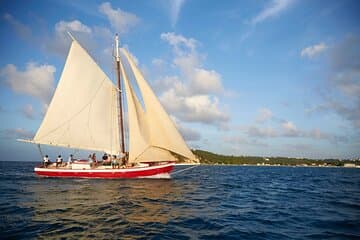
x=206, y=202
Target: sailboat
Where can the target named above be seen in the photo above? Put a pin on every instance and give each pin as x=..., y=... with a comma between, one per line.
x=87, y=113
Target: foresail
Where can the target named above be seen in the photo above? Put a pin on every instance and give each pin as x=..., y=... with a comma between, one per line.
x=138, y=140
x=162, y=134
x=83, y=112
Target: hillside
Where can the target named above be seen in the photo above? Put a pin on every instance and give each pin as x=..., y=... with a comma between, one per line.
x=206, y=157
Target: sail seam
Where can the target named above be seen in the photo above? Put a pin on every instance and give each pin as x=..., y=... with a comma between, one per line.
x=76, y=114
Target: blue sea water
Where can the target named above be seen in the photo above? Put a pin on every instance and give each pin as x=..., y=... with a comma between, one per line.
x=206, y=202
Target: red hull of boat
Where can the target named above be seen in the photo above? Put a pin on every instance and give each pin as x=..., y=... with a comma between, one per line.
x=141, y=172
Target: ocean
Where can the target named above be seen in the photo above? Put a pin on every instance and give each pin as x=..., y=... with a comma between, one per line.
x=205, y=202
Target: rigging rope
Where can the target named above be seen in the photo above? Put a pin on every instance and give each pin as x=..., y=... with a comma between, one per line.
x=182, y=170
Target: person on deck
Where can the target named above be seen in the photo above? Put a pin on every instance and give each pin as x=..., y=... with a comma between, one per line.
x=70, y=159
x=114, y=162
x=123, y=162
x=94, y=159
x=59, y=161
x=46, y=161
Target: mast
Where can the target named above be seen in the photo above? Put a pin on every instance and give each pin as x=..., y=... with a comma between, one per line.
x=121, y=118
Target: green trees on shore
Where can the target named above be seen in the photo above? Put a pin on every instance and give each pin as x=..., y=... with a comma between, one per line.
x=206, y=157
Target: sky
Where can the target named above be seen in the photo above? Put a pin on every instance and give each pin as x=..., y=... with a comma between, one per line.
x=260, y=78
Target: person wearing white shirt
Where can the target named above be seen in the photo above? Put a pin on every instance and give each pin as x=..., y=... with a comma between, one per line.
x=46, y=161
x=59, y=161
x=70, y=159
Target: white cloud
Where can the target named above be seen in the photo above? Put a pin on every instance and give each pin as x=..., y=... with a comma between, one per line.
x=264, y=115
x=120, y=20
x=157, y=62
x=187, y=59
x=191, y=96
x=175, y=8
x=314, y=50
x=188, y=134
x=60, y=41
x=197, y=108
x=205, y=81
x=302, y=147
x=317, y=134
x=342, y=86
x=14, y=133
x=238, y=140
x=36, y=80
x=28, y=111
x=254, y=131
x=20, y=28
x=172, y=9
x=272, y=10
x=290, y=130
x=72, y=26
x=181, y=44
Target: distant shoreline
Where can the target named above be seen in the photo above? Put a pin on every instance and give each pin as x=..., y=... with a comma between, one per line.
x=255, y=165
x=206, y=157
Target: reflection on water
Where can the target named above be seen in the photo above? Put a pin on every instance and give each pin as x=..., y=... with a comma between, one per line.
x=101, y=207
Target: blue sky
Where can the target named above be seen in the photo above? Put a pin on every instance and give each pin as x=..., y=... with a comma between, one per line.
x=269, y=77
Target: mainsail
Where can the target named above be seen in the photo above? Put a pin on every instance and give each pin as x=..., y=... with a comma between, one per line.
x=83, y=111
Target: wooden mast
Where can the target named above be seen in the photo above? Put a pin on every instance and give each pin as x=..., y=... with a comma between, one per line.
x=121, y=118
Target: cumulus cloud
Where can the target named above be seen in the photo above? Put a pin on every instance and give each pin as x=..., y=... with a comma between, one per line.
x=290, y=130
x=254, y=131
x=191, y=96
x=188, y=60
x=342, y=89
x=302, y=147
x=314, y=50
x=96, y=40
x=60, y=41
x=197, y=108
x=14, y=133
x=172, y=9
x=21, y=29
x=345, y=66
x=120, y=20
x=73, y=26
x=36, y=80
x=181, y=44
x=28, y=111
x=236, y=140
x=175, y=8
x=272, y=10
x=317, y=134
x=188, y=134
x=264, y=114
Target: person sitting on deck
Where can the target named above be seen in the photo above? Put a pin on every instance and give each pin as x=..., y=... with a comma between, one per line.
x=114, y=162
x=59, y=161
x=123, y=162
x=46, y=161
x=94, y=159
x=106, y=159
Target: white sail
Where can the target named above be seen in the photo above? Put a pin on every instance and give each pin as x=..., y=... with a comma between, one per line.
x=157, y=129
x=83, y=112
x=138, y=137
